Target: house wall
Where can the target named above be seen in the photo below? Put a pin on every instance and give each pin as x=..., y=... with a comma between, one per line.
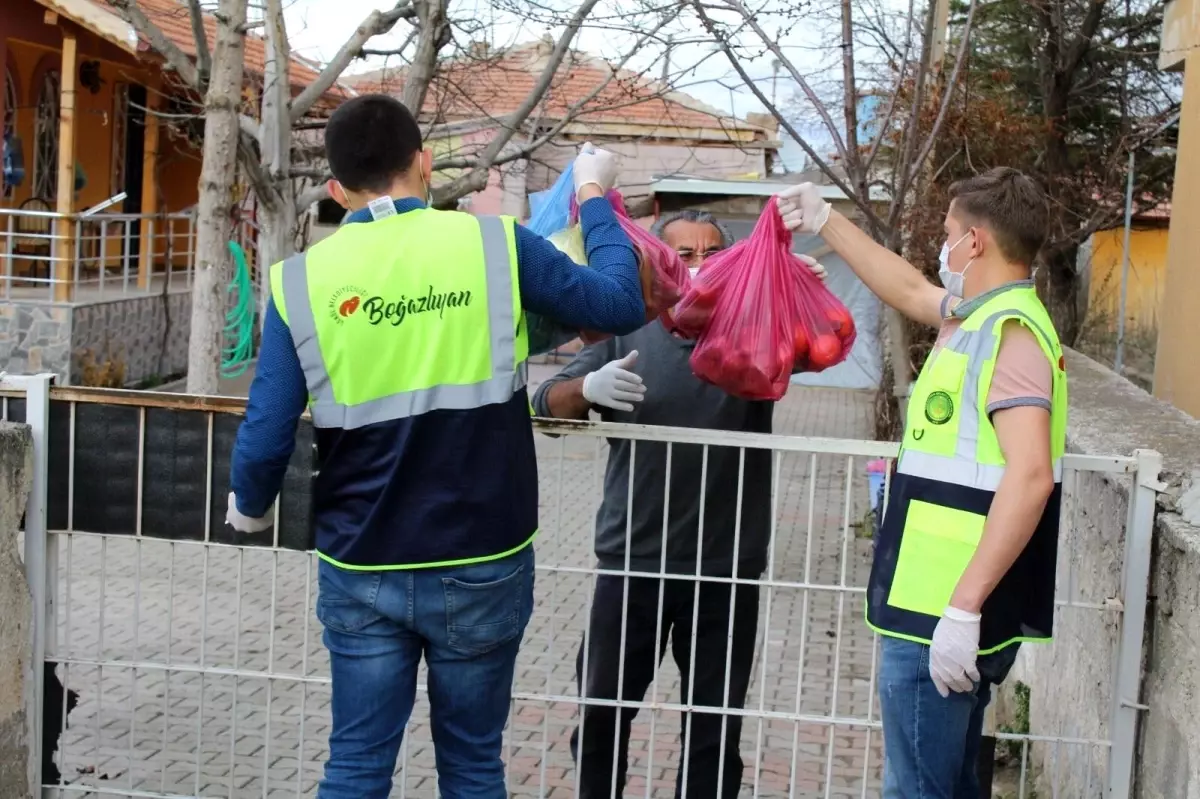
x=640, y=161
x=1146, y=280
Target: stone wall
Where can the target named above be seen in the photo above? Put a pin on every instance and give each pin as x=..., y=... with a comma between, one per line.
x=148, y=335
x=18, y=769
x=35, y=337
x=1071, y=681
x=144, y=336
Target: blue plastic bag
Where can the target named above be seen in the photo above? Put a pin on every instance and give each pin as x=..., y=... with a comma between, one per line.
x=550, y=213
x=550, y=209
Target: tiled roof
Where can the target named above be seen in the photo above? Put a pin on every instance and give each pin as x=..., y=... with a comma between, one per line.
x=171, y=16
x=496, y=84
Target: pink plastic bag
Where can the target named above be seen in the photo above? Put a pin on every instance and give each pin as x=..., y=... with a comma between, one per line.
x=664, y=276
x=760, y=314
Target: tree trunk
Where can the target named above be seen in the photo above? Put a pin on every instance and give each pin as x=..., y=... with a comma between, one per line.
x=215, y=223
x=277, y=231
x=1064, y=297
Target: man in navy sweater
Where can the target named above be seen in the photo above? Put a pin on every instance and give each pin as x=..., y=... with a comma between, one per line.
x=425, y=503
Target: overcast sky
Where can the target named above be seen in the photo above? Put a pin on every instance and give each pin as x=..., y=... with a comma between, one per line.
x=318, y=27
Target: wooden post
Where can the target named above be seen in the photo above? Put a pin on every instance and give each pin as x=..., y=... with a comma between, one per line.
x=64, y=246
x=149, y=191
x=1176, y=379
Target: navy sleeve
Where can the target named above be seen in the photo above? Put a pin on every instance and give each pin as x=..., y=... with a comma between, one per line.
x=267, y=436
x=606, y=295
x=589, y=359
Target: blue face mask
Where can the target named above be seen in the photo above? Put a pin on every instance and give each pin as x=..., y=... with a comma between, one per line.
x=953, y=281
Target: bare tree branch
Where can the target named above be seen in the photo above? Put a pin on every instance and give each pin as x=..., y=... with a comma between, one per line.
x=176, y=59
x=312, y=195
x=376, y=23
x=434, y=34
x=886, y=121
x=203, y=56
x=787, y=64
x=476, y=179
x=947, y=96
x=722, y=42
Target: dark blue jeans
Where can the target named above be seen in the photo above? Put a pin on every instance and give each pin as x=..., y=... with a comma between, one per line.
x=467, y=621
x=930, y=742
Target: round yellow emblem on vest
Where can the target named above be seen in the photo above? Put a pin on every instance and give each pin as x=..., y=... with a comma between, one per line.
x=939, y=407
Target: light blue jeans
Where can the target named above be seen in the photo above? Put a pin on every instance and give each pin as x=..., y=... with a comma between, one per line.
x=467, y=622
x=930, y=742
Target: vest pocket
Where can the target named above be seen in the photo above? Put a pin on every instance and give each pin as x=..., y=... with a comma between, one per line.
x=935, y=547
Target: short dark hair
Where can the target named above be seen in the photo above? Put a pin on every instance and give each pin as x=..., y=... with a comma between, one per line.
x=659, y=228
x=1011, y=205
x=370, y=140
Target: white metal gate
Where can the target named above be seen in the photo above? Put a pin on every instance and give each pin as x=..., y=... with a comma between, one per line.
x=200, y=672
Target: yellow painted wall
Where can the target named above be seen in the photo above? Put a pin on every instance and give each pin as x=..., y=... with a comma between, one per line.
x=1147, y=276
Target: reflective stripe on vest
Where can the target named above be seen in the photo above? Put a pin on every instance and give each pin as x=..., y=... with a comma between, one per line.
x=507, y=376
x=964, y=468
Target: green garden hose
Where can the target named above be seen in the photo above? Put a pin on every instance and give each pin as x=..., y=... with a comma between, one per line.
x=239, y=320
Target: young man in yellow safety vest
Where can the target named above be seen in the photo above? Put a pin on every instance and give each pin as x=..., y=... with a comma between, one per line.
x=965, y=559
x=404, y=333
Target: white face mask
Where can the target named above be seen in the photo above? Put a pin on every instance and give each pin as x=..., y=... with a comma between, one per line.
x=953, y=281
x=693, y=271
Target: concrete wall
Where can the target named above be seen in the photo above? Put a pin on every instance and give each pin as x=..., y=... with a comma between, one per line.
x=146, y=334
x=1071, y=680
x=18, y=771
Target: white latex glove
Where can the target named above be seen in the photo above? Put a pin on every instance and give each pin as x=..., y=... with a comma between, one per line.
x=953, y=651
x=243, y=523
x=802, y=208
x=596, y=166
x=815, y=267
x=614, y=386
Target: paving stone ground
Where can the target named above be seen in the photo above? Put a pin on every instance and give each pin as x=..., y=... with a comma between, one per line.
x=215, y=683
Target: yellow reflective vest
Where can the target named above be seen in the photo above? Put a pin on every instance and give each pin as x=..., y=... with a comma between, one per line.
x=946, y=476
x=410, y=332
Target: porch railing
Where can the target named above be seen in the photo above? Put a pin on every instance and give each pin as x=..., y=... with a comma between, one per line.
x=47, y=256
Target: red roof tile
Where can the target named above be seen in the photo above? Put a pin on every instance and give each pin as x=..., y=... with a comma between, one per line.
x=496, y=85
x=172, y=17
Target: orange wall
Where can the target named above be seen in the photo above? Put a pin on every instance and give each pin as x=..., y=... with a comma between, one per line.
x=179, y=170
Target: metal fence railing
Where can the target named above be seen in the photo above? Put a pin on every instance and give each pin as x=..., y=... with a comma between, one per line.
x=196, y=654
x=45, y=254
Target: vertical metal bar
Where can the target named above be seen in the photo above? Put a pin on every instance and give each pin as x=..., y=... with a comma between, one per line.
x=126, y=246
x=841, y=614
x=77, y=267
x=777, y=462
x=737, y=534
x=1119, y=360
x=237, y=662
x=149, y=254
x=68, y=650
x=8, y=259
x=100, y=642
x=308, y=564
x=270, y=665
x=870, y=714
x=658, y=619
x=804, y=603
x=191, y=253
x=208, y=495
x=691, y=682
x=1135, y=579
x=1024, y=767
x=137, y=653
x=621, y=653
x=558, y=525
x=37, y=416
x=166, y=710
